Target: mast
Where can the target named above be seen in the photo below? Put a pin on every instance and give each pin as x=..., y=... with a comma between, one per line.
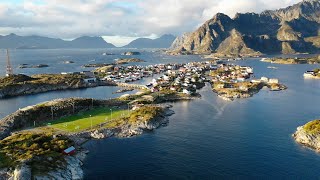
x=9, y=71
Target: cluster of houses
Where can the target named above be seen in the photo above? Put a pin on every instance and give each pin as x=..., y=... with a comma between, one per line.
x=134, y=73
x=89, y=76
x=231, y=73
x=185, y=78
x=227, y=75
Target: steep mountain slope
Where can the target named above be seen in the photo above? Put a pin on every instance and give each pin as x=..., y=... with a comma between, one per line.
x=164, y=41
x=294, y=29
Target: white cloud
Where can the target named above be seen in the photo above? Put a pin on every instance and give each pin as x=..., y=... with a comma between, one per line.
x=125, y=19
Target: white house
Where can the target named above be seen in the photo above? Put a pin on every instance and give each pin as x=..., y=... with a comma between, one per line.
x=90, y=80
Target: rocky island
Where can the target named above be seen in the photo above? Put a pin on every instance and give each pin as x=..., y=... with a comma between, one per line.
x=230, y=82
x=16, y=85
x=23, y=66
x=309, y=135
x=314, y=74
x=128, y=60
x=130, y=53
x=280, y=60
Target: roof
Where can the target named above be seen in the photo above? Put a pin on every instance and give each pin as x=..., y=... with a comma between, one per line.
x=69, y=150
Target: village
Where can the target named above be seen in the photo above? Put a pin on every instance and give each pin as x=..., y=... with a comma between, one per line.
x=234, y=81
x=229, y=81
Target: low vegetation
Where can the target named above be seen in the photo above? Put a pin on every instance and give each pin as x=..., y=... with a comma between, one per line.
x=40, y=150
x=142, y=114
x=312, y=127
x=52, y=79
x=310, y=60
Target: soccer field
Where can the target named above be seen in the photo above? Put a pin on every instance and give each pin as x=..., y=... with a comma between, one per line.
x=87, y=120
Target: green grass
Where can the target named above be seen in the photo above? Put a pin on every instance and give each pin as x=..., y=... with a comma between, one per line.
x=82, y=121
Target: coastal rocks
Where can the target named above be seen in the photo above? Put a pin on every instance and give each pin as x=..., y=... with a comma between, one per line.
x=22, y=173
x=68, y=62
x=107, y=54
x=5, y=174
x=22, y=66
x=96, y=135
x=129, y=60
x=130, y=53
x=72, y=170
x=97, y=65
x=306, y=138
x=140, y=127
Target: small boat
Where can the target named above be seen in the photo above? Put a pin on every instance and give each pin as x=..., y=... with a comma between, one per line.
x=272, y=67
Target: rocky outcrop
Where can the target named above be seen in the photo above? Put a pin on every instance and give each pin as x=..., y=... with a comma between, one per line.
x=286, y=33
x=22, y=172
x=307, y=139
x=128, y=60
x=71, y=170
x=234, y=45
x=129, y=130
x=282, y=31
x=130, y=53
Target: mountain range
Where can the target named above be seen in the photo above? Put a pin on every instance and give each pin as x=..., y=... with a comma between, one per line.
x=164, y=41
x=39, y=42
x=290, y=30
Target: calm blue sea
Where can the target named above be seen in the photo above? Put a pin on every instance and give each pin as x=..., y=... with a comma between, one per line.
x=207, y=138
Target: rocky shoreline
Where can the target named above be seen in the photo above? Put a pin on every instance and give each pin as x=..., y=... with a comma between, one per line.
x=71, y=168
x=307, y=137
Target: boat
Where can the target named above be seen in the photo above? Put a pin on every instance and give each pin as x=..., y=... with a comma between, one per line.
x=272, y=67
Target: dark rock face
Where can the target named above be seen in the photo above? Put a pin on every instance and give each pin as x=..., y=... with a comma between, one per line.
x=294, y=29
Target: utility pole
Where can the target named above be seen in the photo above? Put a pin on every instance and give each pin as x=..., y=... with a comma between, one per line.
x=91, y=121
x=51, y=113
x=9, y=71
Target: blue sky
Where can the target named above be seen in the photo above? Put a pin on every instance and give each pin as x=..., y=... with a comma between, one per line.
x=118, y=21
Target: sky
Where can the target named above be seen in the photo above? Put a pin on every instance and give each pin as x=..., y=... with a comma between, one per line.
x=119, y=21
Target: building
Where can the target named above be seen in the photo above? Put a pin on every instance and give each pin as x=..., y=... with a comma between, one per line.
x=90, y=80
x=273, y=81
x=88, y=73
x=69, y=151
x=265, y=79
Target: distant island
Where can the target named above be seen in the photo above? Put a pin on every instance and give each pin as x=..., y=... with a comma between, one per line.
x=280, y=60
x=288, y=31
x=164, y=41
x=14, y=41
x=131, y=53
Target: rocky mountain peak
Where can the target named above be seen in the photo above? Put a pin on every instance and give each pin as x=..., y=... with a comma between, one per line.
x=287, y=30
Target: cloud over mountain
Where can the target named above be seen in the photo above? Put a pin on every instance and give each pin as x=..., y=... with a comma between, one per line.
x=72, y=18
